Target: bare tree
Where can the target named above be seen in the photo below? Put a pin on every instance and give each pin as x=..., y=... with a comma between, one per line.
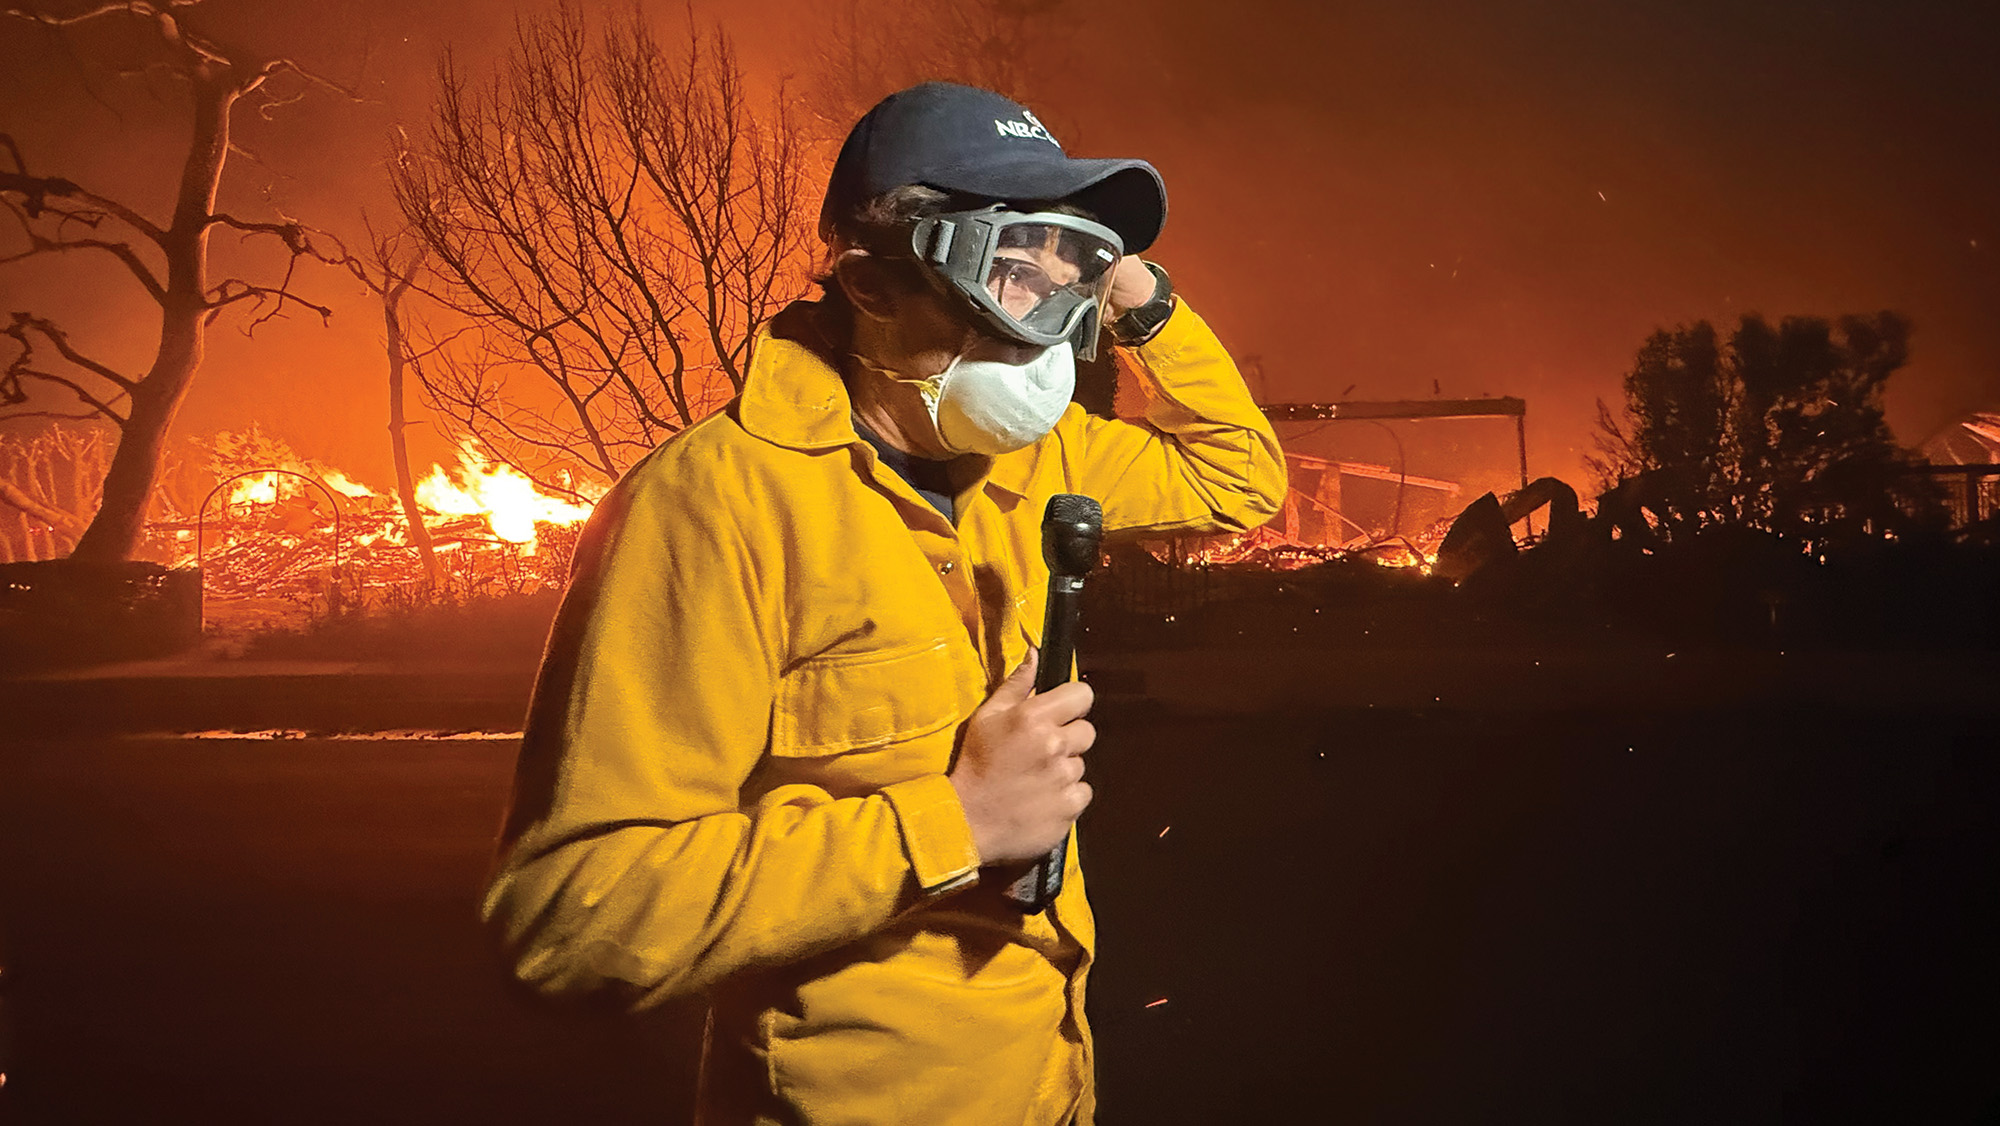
x=170, y=261
x=390, y=271
x=611, y=221
x=875, y=49
x=50, y=481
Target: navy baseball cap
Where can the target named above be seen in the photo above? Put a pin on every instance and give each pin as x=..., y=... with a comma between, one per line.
x=968, y=141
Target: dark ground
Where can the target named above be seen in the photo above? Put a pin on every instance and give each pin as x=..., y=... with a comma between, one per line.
x=1772, y=910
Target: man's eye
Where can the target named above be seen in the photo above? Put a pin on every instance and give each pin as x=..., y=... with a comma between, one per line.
x=1019, y=275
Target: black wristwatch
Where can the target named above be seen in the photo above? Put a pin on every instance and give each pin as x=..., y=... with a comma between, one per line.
x=1140, y=322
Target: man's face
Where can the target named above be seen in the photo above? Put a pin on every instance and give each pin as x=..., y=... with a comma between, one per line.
x=925, y=330
x=918, y=329
x=912, y=332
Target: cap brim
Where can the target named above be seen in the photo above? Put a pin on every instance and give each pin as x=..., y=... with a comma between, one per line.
x=1126, y=195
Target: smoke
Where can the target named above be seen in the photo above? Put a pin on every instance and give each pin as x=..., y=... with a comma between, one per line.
x=1404, y=200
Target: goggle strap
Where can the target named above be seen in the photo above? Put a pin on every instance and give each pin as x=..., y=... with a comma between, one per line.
x=939, y=252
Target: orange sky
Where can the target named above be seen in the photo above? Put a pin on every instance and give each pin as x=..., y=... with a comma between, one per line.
x=1376, y=201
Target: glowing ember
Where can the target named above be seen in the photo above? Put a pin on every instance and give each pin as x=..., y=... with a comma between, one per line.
x=509, y=501
x=290, y=531
x=1311, y=529
x=261, y=489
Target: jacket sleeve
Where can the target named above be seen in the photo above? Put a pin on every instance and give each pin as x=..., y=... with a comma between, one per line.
x=627, y=863
x=1205, y=458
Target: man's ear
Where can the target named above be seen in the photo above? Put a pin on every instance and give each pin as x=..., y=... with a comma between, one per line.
x=869, y=283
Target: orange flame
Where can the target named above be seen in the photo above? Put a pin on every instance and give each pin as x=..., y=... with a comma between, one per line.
x=509, y=501
x=275, y=533
x=267, y=488
x=261, y=489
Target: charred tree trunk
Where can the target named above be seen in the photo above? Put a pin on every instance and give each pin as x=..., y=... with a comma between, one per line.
x=406, y=491
x=184, y=315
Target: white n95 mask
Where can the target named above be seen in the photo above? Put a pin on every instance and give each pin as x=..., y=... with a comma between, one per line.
x=992, y=407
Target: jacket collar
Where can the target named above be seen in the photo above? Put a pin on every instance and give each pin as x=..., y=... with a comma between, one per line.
x=793, y=396
x=1013, y=472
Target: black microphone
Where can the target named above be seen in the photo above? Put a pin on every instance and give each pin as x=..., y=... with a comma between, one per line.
x=1072, y=525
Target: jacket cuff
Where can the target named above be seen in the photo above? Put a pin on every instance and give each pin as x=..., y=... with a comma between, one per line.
x=936, y=836
x=1174, y=335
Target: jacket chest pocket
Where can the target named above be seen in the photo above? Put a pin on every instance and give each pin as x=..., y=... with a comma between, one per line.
x=1028, y=614
x=848, y=702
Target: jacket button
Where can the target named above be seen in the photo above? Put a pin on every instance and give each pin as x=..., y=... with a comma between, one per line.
x=946, y=567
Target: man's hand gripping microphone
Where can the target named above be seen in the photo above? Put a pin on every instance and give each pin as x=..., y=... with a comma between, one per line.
x=1072, y=527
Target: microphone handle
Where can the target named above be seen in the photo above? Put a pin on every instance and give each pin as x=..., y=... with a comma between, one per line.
x=1039, y=885
x=1059, y=626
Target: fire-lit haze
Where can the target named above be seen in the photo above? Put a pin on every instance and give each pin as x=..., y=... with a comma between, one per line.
x=1369, y=201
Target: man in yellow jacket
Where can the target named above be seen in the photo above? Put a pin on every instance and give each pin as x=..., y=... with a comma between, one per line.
x=784, y=749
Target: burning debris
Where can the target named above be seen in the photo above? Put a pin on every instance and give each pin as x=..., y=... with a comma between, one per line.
x=1341, y=509
x=282, y=540
x=50, y=482
x=279, y=537
x=301, y=531
x=512, y=505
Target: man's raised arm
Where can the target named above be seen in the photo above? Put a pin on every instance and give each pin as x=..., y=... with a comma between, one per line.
x=1205, y=459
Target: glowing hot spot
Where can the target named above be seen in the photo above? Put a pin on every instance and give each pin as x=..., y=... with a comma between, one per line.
x=509, y=501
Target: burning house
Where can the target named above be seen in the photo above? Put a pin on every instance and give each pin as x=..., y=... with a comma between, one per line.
x=1965, y=458
x=255, y=537
x=1383, y=490
x=277, y=539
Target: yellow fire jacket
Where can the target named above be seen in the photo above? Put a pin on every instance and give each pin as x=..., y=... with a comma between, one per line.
x=733, y=777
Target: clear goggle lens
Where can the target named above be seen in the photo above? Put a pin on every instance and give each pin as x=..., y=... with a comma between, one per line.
x=1038, y=278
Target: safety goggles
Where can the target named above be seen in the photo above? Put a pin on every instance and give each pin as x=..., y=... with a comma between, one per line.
x=1033, y=277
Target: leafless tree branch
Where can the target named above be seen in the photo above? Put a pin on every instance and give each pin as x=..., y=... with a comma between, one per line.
x=38, y=245
x=612, y=221
x=13, y=392
x=162, y=15
x=24, y=323
x=58, y=416
x=251, y=156
x=310, y=77
x=36, y=192
x=232, y=291
x=293, y=234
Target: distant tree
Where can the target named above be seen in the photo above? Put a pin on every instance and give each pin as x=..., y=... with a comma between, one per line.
x=876, y=49
x=170, y=262
x=49, y=484
x=1678, y=406
x=1781, y=429
x=607, y=222
x=390, y=269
